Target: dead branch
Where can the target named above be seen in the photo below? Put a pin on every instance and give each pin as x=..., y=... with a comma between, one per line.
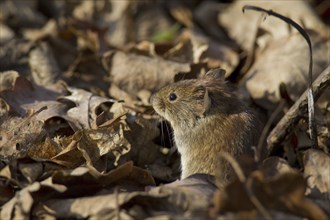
x=291, y=118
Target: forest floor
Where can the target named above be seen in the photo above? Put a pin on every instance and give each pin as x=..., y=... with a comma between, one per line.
x=80, y=140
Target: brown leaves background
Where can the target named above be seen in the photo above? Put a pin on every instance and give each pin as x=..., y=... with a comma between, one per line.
x=79, y=139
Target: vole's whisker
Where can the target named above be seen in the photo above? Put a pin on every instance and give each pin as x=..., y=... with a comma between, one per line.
x=162, y=139
x=170, y=135
x=150, y=111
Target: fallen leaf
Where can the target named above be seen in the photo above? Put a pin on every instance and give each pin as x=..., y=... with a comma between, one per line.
x=272, y=29
x=316, y=171
x=22, y=14
x=6, y=34
x=26, y=96
x=284, y=61
x=195, y=47
x=133, y=73
x=19, y=206
x=44, y=68
x=282, y=192
x=7, y=79
x=273, y=166
x=17, y=135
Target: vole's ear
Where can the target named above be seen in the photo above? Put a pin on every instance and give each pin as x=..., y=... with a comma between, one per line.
x=204, y=101
x=216, y=73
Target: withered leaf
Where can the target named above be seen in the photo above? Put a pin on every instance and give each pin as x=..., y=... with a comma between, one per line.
x=18, y=135
x=43, y=65
x=94, y=180
x=26, y=96
x=273, y=166
x=199, y=185
x=194, y=47
x=284, y=61
x=7, y=79
x=316, y=171
x=244, y=27
x=100, y=205
x=20, y=206
x=283, y=192
x=133, y=73
x=67, y=151
x=84, y=115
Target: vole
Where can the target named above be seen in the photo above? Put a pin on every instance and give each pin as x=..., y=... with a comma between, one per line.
x=207, y=118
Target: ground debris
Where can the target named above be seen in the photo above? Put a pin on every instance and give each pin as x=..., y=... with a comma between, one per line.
x=80, y=140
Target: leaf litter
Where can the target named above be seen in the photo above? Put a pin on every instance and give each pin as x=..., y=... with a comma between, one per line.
x=79, y=139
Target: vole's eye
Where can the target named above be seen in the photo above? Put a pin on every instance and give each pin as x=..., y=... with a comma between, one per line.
x=172, y=96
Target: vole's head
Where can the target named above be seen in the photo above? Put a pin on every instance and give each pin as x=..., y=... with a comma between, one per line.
x=183, y=103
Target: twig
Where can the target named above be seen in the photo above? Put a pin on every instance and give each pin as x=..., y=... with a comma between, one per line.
x=234, y=165
x=246, y=184
x=29, y=118
x=255, y=200
x=117, y=209
x=266, y=129
x=291, y=118
x=311, y=117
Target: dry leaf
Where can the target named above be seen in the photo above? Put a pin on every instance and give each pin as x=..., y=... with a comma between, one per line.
x=44, y=68
x=25, y=96
x=133, y=73
x=19, y=206
x=17, y=135
x=84, y=115
x=6, y=34
x=13, y=55
x=316, y=171
x=72, y=152
x=22, y=14
x=284, y=61
x=282, y=192
x=244, y=27
x=195, y=47
x=273, y=166
x=7, y=80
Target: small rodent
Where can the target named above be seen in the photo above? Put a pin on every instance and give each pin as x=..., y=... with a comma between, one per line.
x=207, y=118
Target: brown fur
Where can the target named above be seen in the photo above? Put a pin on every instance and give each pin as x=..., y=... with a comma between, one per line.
x=207, y=118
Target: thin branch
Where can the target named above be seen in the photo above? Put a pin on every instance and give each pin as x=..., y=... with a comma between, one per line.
x=266, y=129
x=263, y=211
x=117, y=209
x=246, y=183
x=291, y=118
x=234, y=165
